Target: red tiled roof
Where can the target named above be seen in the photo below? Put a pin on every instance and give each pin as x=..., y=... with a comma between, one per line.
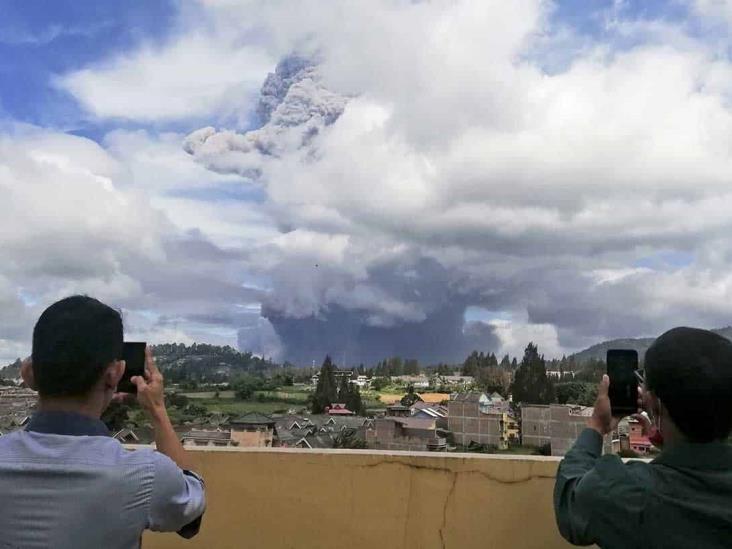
x=339, y=412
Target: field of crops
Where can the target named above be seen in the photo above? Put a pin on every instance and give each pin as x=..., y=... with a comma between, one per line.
x=268, y=402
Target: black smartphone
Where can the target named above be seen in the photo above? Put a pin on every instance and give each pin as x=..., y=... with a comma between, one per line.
x=133, y=353
x=621, y=367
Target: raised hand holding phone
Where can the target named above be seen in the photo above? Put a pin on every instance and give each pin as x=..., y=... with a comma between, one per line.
x=134, y=355
x=602, y=419
x=622, y=365
x=151, y=396
x=149, y=386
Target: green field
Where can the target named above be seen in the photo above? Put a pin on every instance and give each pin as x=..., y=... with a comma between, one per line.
x=209, y=394
x=266, y=402
x=240, y=407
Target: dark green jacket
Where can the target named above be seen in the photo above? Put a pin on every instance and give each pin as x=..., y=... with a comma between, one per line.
x=682, y=499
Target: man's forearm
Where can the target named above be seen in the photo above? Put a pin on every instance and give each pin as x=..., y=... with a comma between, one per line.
x=166, y=440
x=581, y=458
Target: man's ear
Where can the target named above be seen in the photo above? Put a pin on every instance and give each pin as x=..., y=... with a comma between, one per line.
x=26, y=372
x=114, y=373
x=653, y=404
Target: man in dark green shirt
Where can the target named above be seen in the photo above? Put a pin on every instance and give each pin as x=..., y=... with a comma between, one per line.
x=681, y=499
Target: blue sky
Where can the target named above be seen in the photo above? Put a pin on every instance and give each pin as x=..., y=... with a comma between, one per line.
x=40, y=41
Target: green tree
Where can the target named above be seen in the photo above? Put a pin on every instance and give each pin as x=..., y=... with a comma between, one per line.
x=326, y=392
x=282, y=380
x=116, y=416
x=176, y=399
x=246, y=385
x=531, y=384
x=471, y=365
x=410, y=398
x=576, y=392
x=378, y=383
x=349, y=395
x=411, y=367
x=591, y=371
x=444, y=370
x=494, y=379
x=395, y=366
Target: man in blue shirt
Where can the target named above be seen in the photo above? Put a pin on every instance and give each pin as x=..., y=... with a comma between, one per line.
x=64, y=481
x=682, y=498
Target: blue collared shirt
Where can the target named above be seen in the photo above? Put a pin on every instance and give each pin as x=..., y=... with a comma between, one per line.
x=65, y=483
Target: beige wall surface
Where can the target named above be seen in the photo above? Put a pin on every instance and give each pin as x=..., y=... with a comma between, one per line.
x=287, y=498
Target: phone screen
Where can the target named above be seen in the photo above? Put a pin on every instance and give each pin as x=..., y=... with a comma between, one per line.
x=133, y=353
x=621, y=367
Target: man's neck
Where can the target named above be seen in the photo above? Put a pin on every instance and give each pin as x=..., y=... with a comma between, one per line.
x=672, y=436
x=83, y=406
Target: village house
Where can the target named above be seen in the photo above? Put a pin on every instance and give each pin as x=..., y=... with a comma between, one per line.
x=418, y=382
x=634, y=439
x=16, y=406
x=338, y=409
x=425, y=410
x=338, y=374
x=253, y=430
x=317, y=431
x=136, y=435
x=470, y=421
x=406, y=434
x=398, y=410
x=456, y=381
x=200, y=437
x=362, y=382
x=557, y=425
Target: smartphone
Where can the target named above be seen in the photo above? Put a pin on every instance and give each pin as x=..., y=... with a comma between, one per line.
x=133, y=353
x=621, y=367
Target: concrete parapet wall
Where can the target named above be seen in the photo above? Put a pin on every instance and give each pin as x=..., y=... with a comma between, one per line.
x=287, y=498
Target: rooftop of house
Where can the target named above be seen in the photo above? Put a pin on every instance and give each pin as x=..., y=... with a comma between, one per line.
x=337, y=409
x=316, y=441
x=253, y=418
x=437, y=412
x=136, y=435
x=203, y=435
x=13, y=421
x=434, y=398
x=16, y=391
x=419, y=405
x=466, y=379
x=468, y=396
x=576, y=410
x=320, y=421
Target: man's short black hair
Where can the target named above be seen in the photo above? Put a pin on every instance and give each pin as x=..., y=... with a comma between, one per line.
x=74, y=340
x=690, y=370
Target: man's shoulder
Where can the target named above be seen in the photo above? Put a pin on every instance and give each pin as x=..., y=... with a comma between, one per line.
x=9, y=439
x=616, y=471
x=39, y=447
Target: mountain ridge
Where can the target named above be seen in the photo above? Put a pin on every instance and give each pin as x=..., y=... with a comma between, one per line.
x=640, y=344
